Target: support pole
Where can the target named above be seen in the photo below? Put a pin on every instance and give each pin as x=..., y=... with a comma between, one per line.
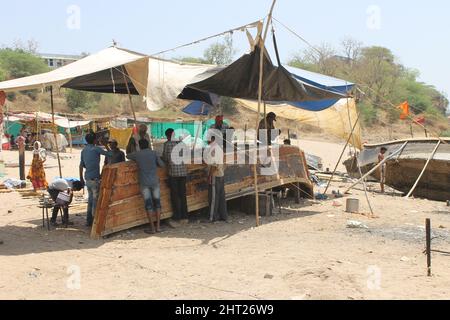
x=55, y=136
x=423, y=170
x=129, y=94
x=377, y=166
x=260, y=95
x=428, y=250
x=342, y=154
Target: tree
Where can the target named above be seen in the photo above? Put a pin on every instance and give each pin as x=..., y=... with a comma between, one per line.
x=80, y=101
x=18, y=63
x=221, y=53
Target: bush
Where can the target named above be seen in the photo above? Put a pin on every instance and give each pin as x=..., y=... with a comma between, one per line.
x=446, y=134
x=368, y=113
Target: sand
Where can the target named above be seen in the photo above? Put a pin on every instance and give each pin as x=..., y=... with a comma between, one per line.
x=304, y=252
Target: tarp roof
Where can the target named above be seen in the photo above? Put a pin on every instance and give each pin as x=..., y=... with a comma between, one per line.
x=241, y=80
x=92, y=73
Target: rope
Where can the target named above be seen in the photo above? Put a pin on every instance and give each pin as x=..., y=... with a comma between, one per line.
x=249, y=25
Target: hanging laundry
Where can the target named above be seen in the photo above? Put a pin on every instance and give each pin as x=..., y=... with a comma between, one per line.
x=122, y=136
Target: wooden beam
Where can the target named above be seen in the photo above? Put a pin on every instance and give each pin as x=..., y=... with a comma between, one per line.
x=377, y=166
x=423, y=170
x=55, y=131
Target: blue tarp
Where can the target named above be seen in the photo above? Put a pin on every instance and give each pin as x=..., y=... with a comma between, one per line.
x=198, y=108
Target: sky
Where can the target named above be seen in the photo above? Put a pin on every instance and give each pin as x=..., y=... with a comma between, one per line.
x=416, y=31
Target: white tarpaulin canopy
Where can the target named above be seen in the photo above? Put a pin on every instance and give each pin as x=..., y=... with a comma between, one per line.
x=65, y=123
x=110, y=59
x=159, y=81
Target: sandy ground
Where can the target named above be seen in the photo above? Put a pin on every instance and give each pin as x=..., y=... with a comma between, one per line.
x=305, y=252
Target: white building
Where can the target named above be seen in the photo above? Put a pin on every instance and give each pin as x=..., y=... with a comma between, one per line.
x=55, y=61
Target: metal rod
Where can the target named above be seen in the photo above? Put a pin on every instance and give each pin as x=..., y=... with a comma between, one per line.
x=428, y=230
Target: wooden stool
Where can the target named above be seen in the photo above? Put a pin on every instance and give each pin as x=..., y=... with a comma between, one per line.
x=45, y=208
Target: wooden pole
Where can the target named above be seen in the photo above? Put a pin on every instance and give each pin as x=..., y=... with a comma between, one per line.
x=377, y=166
x=411, y=128
x=260, y=95
x=342, y=154
x=54, y=131
x=70, y=139
x=129, y=95
x=428, y=236
x=424, y=169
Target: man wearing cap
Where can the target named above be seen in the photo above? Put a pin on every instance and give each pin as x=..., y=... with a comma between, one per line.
x=117, y=155
x=268, y=124
x=221, y=126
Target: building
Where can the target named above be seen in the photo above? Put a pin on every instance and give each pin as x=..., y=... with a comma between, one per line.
x=55, y=61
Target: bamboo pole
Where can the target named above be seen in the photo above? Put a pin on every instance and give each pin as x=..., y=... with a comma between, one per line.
x=377, y=166
x=423, y=170
x=260, y=94
x=129, y=95
x=342, y=154
x=54, y=131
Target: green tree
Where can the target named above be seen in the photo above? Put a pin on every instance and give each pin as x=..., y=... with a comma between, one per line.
x=221, y=53
x=80, y=101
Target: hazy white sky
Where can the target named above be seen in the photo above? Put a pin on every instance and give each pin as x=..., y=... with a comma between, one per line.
x=417, y=32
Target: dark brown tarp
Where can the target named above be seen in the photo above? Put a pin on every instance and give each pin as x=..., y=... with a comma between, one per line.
x=106, y=81
x=241, y=80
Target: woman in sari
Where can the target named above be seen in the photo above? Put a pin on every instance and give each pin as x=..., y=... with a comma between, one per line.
x=37, y=173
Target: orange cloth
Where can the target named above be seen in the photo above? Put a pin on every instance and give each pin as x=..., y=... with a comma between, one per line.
x=122, y=136
x=405, y=110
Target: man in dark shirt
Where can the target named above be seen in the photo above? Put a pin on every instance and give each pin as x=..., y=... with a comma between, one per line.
x=148, y=162
x=90, y=160
x=118, y=156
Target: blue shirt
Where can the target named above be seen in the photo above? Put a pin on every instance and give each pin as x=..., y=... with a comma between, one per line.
x=148, y=162
x=90, y=160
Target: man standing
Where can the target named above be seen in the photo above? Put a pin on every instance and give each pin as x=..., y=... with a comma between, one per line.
x=222, y=127
x=148, y=163
x=90, y=160
x=216, y=181
x=177, y=171
x=381, y=157
x=267, y=124
x=118, y=155
x=21, y=144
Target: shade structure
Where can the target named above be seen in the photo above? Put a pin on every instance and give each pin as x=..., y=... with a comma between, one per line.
x=241, y=80
x=100, y=72
x=337, y=120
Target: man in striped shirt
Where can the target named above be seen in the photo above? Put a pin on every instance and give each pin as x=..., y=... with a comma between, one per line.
x=173, y=155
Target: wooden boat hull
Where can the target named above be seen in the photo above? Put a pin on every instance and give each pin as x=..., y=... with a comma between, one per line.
x=403, y=170
x=121, y=207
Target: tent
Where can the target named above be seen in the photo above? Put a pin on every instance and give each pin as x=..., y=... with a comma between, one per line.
x=100, y=72
x=241, y=80
x=337, y=120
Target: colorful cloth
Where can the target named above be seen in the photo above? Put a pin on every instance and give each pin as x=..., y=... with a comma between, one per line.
x=37, y=173
x=121, y=135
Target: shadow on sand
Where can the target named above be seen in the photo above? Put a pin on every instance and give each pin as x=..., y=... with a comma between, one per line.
x=32, y=238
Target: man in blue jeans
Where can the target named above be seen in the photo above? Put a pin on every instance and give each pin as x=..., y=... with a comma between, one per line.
x=90, y=160
x=148, y=162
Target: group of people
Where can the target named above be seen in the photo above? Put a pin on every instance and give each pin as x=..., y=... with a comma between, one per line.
x=148, y=161
x=139, y=150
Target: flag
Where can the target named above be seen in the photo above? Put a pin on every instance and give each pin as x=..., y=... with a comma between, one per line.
x=405, y=110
